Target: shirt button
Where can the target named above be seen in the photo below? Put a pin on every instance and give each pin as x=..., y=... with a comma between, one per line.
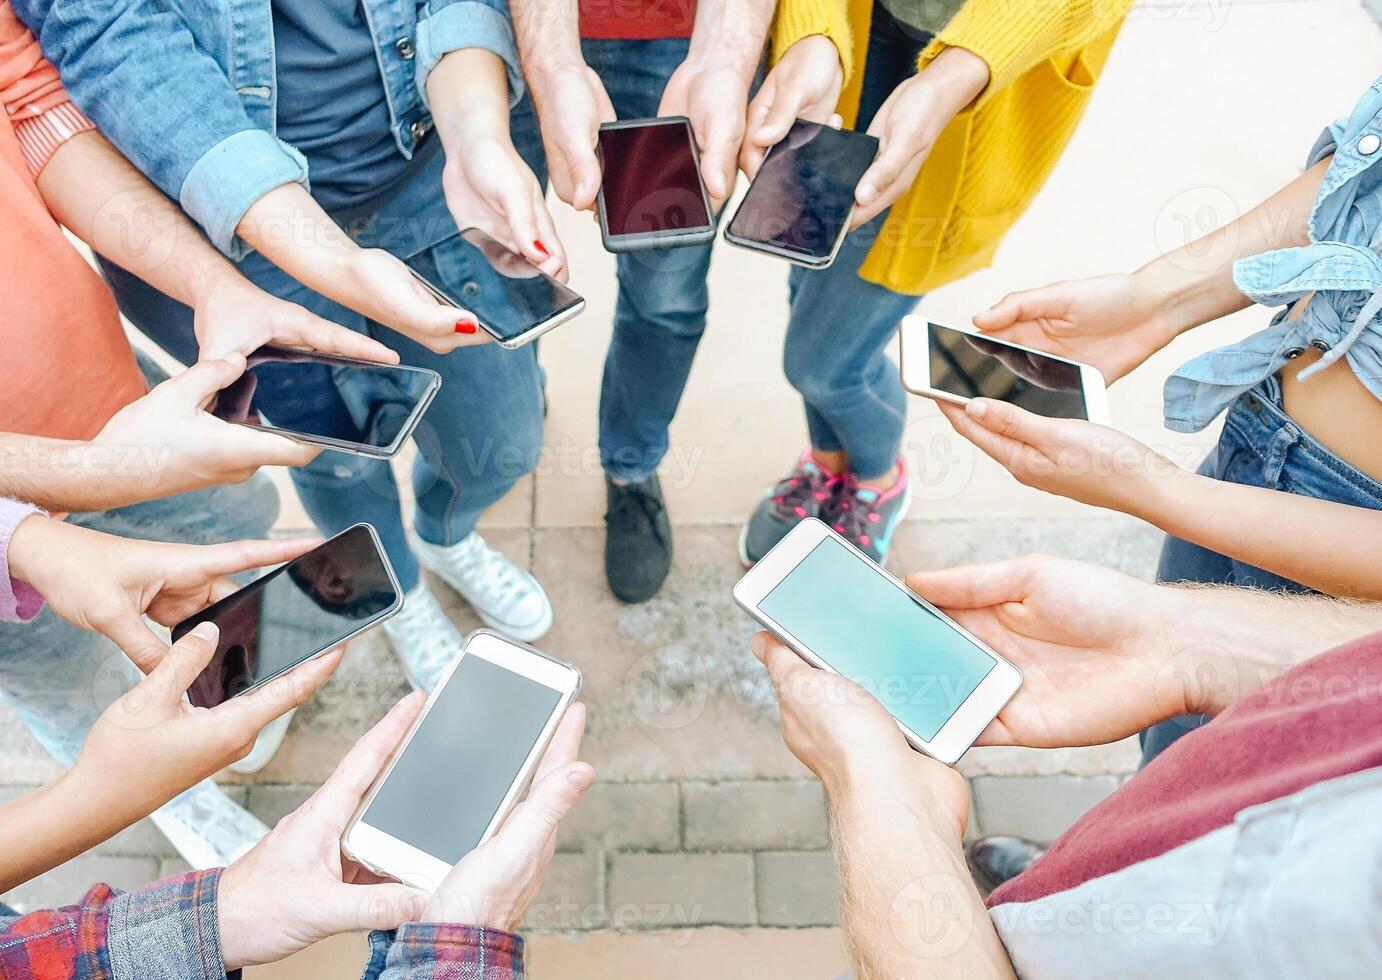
x=1320, y=346
x=418, y=129
x=471, y=289
x=405, y=49
x=1294, y=352
x=1369, y=144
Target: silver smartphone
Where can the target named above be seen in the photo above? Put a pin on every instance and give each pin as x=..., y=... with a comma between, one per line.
x=325, y=400
x=651, y=191
x=299, y=611
x=464, y=762
x=515, y=302
x=800, y=203
x=842, y=612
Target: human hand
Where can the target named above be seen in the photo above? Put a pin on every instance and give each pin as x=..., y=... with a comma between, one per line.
x=234, y=316
x=1082, y=460
x=1112, y=322
x=844, y=735
x=383, y=288
x=151, y=744
x=494, y=884
x=713, y=92
x=571, y=104
x=1103, y=655
x=294, y=888
x=909, y=123
x=108, y=584
x=804, y=84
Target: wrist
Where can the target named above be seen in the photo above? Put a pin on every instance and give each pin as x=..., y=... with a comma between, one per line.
x=916, y=791
x=1170, y=296
x=30, y=542
x=959, y=76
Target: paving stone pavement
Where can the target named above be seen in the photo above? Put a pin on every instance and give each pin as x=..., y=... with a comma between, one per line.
x=702, y=817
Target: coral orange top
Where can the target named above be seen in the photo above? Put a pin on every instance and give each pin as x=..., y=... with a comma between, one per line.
x=67, y=366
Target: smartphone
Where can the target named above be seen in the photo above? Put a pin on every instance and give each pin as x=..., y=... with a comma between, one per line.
x=956, y=365
x=515, y=302
x=842, y=612
x=651, y=191
x=339, y=402
x=462, y=765
x=298, y=611
x=799, y=205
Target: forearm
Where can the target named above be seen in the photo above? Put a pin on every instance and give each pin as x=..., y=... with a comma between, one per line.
x=469, y=94
x=549, y=36
x=290, y=229
x=57, y=822
x=732, y=30
x=1194, y=284
x=94, y=191
x=64, y=476
x=911, y=908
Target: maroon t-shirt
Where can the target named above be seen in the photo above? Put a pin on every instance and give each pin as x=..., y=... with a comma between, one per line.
x=636, y=20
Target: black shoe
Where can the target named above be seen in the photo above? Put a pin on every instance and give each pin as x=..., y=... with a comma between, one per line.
x=994, y=860
x=638, y=539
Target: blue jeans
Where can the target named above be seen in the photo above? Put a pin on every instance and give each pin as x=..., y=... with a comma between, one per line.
x=840, y=325
x=1260, y=447
x=482, y=433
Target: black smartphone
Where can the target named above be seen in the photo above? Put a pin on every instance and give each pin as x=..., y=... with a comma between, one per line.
x=651, y=192
x=298, y=611
x=515, y=301
x=799, y=204
x=338, y=402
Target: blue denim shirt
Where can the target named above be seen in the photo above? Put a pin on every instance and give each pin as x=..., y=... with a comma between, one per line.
x=1332, y=287
x=186, y=88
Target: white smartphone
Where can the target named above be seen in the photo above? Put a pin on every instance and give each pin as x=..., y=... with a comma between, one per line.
x=514, y=301
x=840, y=611
x=464, y=762
x=956, y=365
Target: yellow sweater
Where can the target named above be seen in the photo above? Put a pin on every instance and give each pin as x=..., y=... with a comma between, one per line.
x=991, y=160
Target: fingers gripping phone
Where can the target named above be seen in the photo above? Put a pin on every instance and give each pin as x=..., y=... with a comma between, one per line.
x=298, y=611
x=339, y=402
x=465, y=761
x=651, y=191
x=799, y=205
x=958, y=365
x=840, y=611
x=515, y=302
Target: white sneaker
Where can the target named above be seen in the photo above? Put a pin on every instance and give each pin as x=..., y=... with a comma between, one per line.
x=207, y=828
x=506, y=597
x=270, y=738
x=423, y=638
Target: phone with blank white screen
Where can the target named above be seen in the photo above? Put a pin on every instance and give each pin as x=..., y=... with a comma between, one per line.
x=799, y=204
x=958, y=365
x=338, y=402
x=651, y=191
x=840, y=611
x=514, y=301
x=465, y=761
x=298, y=611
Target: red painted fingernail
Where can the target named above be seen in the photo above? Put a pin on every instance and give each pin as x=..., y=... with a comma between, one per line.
x=540, y=247
x=466, y=326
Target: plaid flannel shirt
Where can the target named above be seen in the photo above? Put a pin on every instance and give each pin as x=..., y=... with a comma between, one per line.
x=170, y=931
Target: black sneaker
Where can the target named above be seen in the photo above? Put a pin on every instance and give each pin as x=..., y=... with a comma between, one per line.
x=996, y=860
x=638, y=539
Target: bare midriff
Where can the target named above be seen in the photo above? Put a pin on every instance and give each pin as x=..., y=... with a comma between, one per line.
x=1335, y=408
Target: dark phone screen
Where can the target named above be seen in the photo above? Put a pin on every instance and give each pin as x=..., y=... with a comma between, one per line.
x=801, y=199
x=651, y=182
x=451, y=779
x=295, y=612
x=514, y=296
x=324, y=397
x=977, y=367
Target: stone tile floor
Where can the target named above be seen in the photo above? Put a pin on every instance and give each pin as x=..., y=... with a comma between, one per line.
x=703, y=850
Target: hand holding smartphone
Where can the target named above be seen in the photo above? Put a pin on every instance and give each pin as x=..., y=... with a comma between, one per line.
x=840, y=611
x=958, y=365
x=651, y=191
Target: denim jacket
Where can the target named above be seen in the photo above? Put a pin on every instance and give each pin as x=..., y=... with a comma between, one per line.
x=186, y=88
x=1332, y=287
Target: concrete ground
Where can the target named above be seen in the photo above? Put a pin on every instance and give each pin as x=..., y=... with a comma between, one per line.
x=704, y=849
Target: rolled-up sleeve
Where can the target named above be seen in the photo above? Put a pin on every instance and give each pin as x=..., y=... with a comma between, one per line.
x=18, y=602
x=451, y=25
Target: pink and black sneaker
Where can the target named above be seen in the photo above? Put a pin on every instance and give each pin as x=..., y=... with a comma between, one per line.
x=866, y=516
x=803, y=493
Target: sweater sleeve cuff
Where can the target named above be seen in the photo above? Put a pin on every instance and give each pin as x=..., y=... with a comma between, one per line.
x=168, y=930
x=798, y=19
x=40, y=136
x=427, y=949
x=231, y=176
x=467, y=24
x=18, y=601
